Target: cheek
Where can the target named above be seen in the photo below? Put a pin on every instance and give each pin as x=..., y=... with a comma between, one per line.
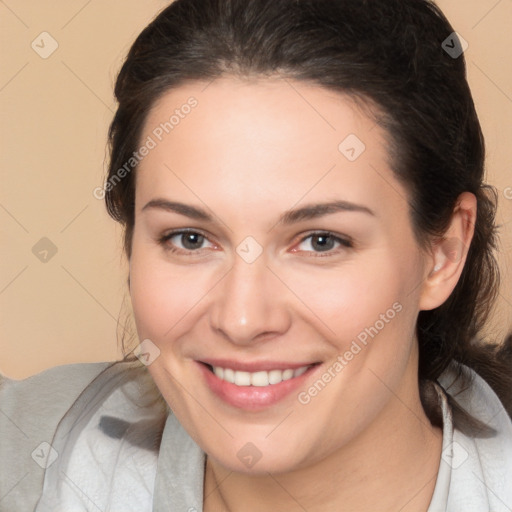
x=163, y=296
x=360, y=295
x=367, y=312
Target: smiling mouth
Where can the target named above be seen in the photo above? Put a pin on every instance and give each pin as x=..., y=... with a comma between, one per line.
x=260, y=378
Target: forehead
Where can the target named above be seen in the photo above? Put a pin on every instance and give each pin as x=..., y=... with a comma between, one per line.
x=260, y=139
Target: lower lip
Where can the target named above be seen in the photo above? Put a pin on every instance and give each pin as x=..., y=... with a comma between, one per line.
x=253, y=398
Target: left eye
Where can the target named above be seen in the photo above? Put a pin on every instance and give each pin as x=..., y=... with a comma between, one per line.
x=322, y=242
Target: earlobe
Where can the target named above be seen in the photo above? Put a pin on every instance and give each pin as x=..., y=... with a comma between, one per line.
x=449, y=253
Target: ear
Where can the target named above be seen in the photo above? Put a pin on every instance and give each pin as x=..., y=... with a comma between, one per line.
x=448, y=254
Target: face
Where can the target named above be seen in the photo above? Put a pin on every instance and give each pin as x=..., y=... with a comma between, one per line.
x=271, y=235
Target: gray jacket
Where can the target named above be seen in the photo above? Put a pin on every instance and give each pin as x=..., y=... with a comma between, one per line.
x=99, y=437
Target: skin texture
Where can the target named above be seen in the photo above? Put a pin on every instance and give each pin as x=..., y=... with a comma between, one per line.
x=248, y=152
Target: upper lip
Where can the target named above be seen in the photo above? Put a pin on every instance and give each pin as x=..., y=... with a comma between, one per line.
x=255, y=366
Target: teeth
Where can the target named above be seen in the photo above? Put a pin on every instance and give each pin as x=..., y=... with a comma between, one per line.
x=242, y=378
x=260, y=379
x=300, y=371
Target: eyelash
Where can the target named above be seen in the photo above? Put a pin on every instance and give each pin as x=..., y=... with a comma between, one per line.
x=347, y=243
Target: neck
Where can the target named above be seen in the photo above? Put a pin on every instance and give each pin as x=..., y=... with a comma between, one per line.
x=390, y=466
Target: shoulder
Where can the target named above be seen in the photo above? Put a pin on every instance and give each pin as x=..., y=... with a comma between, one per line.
x=73, y=374
x=30, y=410
x=106, y=444
x=37, y=402
x=481, y=472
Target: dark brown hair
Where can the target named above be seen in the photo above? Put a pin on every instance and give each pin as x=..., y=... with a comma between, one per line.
x=389, y=53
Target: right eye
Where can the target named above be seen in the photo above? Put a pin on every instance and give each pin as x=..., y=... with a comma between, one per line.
x=184, y=241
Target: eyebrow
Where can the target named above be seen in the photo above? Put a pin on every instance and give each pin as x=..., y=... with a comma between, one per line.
x=311, y=211
x=183, y=209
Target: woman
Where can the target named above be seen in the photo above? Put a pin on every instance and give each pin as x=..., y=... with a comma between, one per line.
x=311, y=261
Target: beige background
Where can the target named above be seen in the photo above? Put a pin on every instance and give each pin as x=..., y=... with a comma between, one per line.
x=55, y=114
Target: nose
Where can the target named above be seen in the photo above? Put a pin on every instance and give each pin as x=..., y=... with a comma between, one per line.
x=250, y=304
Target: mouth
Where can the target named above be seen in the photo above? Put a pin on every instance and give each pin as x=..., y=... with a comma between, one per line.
x=259, y=378
x=255, y=390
